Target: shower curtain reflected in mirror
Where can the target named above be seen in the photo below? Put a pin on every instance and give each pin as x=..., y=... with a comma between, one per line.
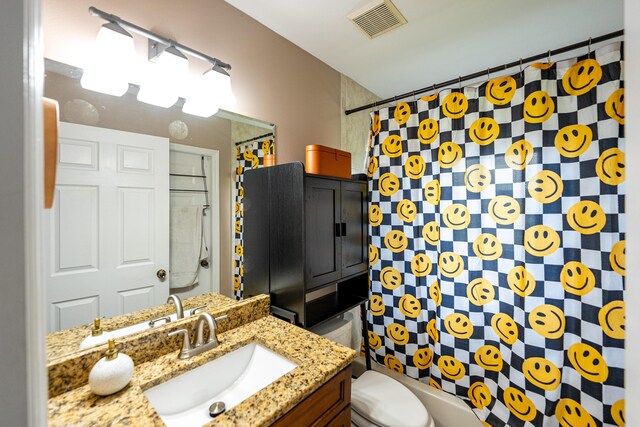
x=248, y=155
x=497, y=242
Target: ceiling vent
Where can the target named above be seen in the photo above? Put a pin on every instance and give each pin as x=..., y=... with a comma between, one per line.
x=377, y=18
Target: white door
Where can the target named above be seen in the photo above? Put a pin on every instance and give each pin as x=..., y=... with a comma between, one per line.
x=108, y=231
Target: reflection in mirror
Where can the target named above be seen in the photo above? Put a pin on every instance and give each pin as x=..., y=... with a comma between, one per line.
x=143, y=209
x=253, y=149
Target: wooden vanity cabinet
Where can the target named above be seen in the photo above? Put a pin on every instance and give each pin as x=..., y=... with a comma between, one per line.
x=303, y=233
x=330, y=405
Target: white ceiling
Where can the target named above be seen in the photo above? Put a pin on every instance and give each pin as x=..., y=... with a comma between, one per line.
x=443, y=39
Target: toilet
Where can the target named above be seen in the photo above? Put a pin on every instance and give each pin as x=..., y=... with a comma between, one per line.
x=380, y=401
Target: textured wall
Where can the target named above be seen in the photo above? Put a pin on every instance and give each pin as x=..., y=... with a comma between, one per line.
x=243, y=131
x=355, y=127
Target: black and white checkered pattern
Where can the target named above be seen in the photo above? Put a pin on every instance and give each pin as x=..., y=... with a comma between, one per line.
x=245, y=155
x=581, y=183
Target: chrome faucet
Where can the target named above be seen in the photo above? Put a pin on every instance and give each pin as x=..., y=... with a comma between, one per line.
x=199, y=345
x=175, y=299
x=206, y=318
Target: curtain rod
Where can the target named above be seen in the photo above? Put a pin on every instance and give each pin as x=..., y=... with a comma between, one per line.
x=490, y=70
x=156, y=37
x=254, y=138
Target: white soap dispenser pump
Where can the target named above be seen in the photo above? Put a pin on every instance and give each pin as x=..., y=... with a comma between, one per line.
x=97, y=337
x=112, y=373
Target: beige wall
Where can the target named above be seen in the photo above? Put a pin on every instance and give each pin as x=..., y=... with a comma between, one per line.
x=126, y=113
x=273, y=79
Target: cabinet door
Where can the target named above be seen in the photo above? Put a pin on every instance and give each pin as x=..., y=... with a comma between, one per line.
x=325, y=406
x=256, y=232
x=354, y=227
x=322, y=232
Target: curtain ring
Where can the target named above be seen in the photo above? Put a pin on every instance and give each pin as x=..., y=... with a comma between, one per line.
x=521, y=68
x=549, y=56
x=414, y=95
x=434, y=88
x=488, y=74
x=589, y=51
x=459, y=83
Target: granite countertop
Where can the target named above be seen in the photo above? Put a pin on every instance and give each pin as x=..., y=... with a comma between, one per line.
x=318, y=361
x=67, y=341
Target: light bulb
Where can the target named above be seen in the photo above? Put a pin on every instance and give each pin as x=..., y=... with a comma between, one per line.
x=113, y=41
x=211, y=92
x=110, y=63
x=164, y=78
x=219, y=82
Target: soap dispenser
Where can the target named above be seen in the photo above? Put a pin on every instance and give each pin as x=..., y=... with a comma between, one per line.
x=97, y=337
x=112, y=373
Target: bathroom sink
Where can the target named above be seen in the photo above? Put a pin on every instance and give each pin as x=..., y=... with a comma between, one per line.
x=142, y=326
x=185, y=400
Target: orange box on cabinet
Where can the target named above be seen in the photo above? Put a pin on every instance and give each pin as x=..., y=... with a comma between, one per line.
x=322, y=160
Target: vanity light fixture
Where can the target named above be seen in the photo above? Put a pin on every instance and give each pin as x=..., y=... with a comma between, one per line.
x=110, y=61
x=209, y=93
x=162, y=80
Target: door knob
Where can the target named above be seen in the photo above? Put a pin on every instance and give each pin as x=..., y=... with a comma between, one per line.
x=161, y=274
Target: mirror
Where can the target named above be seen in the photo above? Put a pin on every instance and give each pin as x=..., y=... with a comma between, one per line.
x=148, y=203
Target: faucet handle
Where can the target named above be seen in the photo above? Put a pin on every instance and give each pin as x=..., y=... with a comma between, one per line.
x=186, y=344
x=196, y=309
x=213, y=334
x=153, y=322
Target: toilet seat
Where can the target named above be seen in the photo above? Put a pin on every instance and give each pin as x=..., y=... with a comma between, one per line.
x=378, y=400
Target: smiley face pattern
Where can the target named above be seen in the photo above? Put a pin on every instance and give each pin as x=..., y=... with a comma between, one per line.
x=247, y=156
x=497, y=243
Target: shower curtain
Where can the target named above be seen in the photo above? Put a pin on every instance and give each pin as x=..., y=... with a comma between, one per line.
x=497, y=242
x=248, y=156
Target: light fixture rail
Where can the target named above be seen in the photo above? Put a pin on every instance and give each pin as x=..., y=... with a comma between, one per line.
x=156, y=37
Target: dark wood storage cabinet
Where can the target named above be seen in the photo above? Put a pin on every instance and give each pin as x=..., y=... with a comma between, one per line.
x=302, y=233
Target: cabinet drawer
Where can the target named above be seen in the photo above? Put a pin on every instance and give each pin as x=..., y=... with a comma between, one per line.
x=343, y=419
x=324, y=405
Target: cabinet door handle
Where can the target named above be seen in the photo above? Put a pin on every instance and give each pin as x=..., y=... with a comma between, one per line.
x=337, y=226
x=344, y=229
